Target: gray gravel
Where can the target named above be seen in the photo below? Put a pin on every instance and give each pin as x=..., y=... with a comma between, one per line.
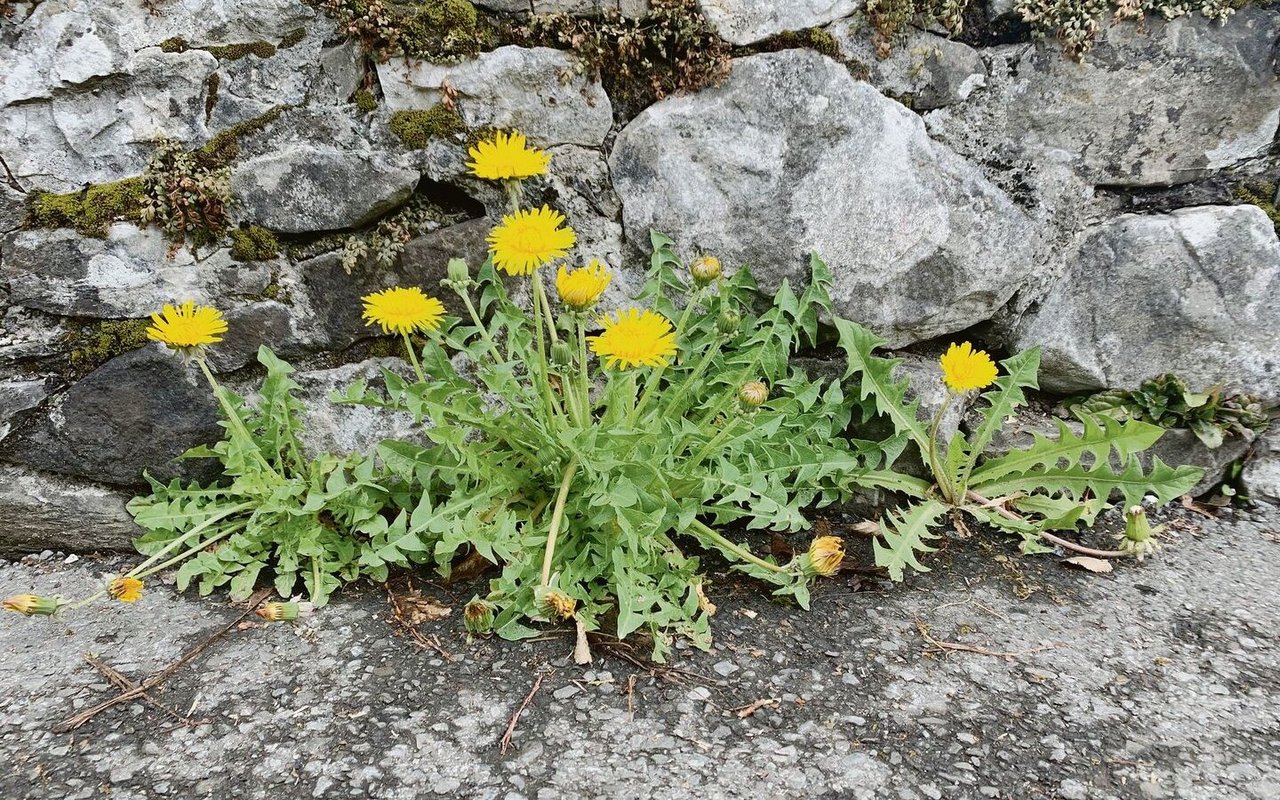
x=1158, y=681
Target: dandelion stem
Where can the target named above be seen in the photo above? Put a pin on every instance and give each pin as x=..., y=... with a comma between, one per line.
x=557, y=514
x=413, y=358
x=716, y=440
x=943, y=480
x=475, y=318
x=739, y=551
x=655, y=377
x=582, y=369
x=233, y=418
x=133, y=573
x=191, y=551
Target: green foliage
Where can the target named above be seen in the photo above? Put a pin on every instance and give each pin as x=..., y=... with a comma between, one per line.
x=315, y=522
x=1168, y=402
x=235, y=52
x=185, y=196
x=642, y=59
x=1051, y=485
x=1076, y=23
x=254, y=243
x=891, y=19
x=91, y=210
x=434, y=30
x=365, y=101
x=384, y=243
x=98, y=342
x=417, y=127
x=595, y=493
x=1263, y=194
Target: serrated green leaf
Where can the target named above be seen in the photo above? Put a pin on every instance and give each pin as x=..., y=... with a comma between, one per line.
x=903, y=534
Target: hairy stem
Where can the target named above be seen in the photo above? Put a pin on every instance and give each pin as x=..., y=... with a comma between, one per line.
x=943, y=480
x=557, y=514
x=413, y=359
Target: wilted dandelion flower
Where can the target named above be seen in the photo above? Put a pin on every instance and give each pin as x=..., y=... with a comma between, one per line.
x=187, y=327
x=965, y=369
x=507, y=157
x=32, y=605
x=477, y=615
x=826, y=554
x=285, y=612
x=635, y=338
x=126, y=589
x=556, y=603
x=403, y=310
x=580, y=289
x=528, y=239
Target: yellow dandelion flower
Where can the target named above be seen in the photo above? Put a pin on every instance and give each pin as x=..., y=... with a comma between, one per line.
x=633, y=338
x=965, y=369
x=581, y=288
x=402, y=310
x=507, y=157
x=187, y=326
x=126, y=589
x=826, y=554
x=528, y=239
x=32, y=605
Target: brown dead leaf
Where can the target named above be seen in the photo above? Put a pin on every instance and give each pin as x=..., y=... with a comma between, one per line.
x=753, y=707
x=1098, y=565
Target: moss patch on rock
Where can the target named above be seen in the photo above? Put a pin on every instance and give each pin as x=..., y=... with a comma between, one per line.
x=1260, y=193
x=254, y=243
x=90, y=211
x=811, y=38
x=235, y=52
x=434, y=30
x=95, y=343
x=416, y=128
x=365, y=101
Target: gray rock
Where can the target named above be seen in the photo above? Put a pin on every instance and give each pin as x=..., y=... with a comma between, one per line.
x=924, y=70
x=1261, y=474
x=268, y=323
x=18, y=395
x=138, y=411
x=747, y=21
x=131, y=273
x=791, y=155
x=1129, y=115
x=107, y=134
x=425, y=255
x=536, y=91
x=1195, y=292
x=345, y=429
x=13, y=207
x=319, y=187
x=42, y=512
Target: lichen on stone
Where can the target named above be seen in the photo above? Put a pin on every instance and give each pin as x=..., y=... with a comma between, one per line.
x=292, y=38
x=89, y=211
x=95, y=343
x=417, y=127
x=175, y=44
x=254, y=243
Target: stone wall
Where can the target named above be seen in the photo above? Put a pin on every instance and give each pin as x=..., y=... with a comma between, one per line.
x=1118, y=211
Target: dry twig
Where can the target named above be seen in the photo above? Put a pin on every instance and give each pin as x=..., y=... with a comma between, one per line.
x=511, y=726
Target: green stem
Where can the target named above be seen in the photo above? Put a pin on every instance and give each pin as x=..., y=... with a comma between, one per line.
x=715, y=441
x=737, y=550
x=413, y=359
x=585, y=378
x=475, y=318
x=673, y=407
x=184, y=555
x=943, y=480
x=316, y=591
x=655, y=377
x=133, y=573
x=557, y=514
x=233, y=418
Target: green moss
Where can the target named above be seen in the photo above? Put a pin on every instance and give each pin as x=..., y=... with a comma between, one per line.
x=224, y=148
x=1260, y=193
x=175, y=44
x=273, y=292
x=254, y=243
x=417, y=128
x=365, y=100
x=234, y=52
x=90, y=211
x=386, y=347
x=433, y=30
x=810, y=38
x=292, y=37
x=211, y=94
x=95, y=343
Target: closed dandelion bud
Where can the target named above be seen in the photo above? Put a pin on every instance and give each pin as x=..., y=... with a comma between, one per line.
x=753, y=394
x=826, y=554
x=285, y=612
x=705, y=269
x=478, y=616
x=556, y=603
x=1139, y=538
x=561, y=354
x=728, y=322
x=458, y=273
x=31, y=605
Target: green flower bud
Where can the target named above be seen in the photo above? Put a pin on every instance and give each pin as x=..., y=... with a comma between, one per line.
x=705, y=269
x=459, y=275
x=1139, y=538
x=561, y=354
x=728, y=322
x=478, y=616
x=753, y=394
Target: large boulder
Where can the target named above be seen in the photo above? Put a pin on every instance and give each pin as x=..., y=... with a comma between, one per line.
x=1165, y=102
x=131, y=273
x=1195, y=292
x=749, y=21
x=793, y=155
x=138, y=411
x=536, y=91
x=42, y=512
